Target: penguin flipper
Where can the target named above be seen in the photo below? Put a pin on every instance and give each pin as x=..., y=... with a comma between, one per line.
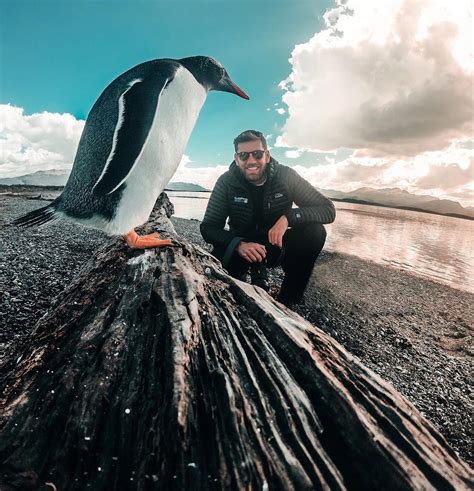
x=137, y=107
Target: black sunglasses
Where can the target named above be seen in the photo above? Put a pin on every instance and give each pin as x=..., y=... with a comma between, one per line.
x=256, y=154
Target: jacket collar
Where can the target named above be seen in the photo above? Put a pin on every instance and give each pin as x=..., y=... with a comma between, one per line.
x=271, y=170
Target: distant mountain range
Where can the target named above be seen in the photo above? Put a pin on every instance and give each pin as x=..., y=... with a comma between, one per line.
x=58, y=177
x=398, y=198
x=391, y=197
x=52, y=177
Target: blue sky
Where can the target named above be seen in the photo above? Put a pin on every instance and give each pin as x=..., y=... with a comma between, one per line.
x=374, y=94
x=59, y=56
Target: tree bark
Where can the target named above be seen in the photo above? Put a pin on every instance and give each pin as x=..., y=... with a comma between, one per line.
x=156, y=370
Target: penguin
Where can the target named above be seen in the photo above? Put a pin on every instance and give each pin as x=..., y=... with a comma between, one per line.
x=132, y=143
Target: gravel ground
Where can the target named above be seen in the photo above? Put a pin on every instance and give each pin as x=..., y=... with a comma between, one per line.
x=415, y=333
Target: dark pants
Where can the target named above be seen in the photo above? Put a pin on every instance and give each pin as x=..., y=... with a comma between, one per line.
x=301, y=247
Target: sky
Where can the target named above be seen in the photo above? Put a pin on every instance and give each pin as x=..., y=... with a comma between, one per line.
x=350, y=93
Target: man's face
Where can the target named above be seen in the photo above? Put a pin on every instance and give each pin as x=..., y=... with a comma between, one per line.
x=253, y=168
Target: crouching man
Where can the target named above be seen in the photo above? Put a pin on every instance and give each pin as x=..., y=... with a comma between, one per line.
x=257, y=195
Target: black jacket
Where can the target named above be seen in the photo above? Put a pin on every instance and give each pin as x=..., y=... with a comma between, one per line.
x=231, y=199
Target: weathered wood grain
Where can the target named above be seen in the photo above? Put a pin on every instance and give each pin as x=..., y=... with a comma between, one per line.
x=156, y=370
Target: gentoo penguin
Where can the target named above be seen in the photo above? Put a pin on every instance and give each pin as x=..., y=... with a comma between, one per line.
x=131, y=145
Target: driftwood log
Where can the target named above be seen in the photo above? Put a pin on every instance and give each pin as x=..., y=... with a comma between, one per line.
x=156, y=370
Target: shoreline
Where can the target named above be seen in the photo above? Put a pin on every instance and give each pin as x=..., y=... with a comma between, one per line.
x=56, y=190
x=412, y=331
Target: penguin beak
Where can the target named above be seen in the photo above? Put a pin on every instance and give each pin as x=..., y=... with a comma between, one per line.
x=226, y=85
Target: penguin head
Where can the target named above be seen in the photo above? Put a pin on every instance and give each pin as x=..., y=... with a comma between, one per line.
x=211, y=75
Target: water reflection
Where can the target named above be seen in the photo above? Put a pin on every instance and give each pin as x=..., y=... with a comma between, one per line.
x=431, y=246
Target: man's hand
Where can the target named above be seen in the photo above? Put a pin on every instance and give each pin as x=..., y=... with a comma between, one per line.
x=252, y=252
x=276, y=233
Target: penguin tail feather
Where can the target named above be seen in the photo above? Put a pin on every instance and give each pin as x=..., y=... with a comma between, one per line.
x=37, y=217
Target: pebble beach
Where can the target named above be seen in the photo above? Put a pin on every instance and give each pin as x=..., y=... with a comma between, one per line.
x=413, y=332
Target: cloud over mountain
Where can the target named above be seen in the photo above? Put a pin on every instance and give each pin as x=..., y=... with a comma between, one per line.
x=448, y=173
x=36, y=142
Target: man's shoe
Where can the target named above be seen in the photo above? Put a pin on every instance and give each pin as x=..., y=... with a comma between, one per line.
x=258, y=275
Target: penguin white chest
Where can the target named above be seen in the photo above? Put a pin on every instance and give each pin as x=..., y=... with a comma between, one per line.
x=179, y=104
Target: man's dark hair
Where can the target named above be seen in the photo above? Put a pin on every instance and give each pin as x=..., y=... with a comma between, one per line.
x=250, y=136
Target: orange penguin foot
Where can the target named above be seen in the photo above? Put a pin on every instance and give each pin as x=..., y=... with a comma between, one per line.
x=150, y=241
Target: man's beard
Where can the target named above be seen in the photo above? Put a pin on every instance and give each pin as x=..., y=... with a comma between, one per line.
x=256, y=176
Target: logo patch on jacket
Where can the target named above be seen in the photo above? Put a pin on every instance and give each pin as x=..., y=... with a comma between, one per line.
x=240, y=199
x=278, y=195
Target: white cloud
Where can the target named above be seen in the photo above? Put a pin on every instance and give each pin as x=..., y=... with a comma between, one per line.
x=391, y=78
x=280, y=110
x=204, y=176
x=293, y=154
x=40, y=141
x=448, y=173
x=185, y=160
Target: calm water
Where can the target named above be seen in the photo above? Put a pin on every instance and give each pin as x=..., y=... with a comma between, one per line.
x=432, y=246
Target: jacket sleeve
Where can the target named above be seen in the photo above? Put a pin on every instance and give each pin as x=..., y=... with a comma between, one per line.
x=312, y=206
x=217, y=211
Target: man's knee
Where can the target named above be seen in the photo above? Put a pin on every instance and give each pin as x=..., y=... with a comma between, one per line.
x=317, y=234
x=306, y=239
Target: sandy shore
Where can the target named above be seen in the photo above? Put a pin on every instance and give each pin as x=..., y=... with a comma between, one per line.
x=415, y=333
